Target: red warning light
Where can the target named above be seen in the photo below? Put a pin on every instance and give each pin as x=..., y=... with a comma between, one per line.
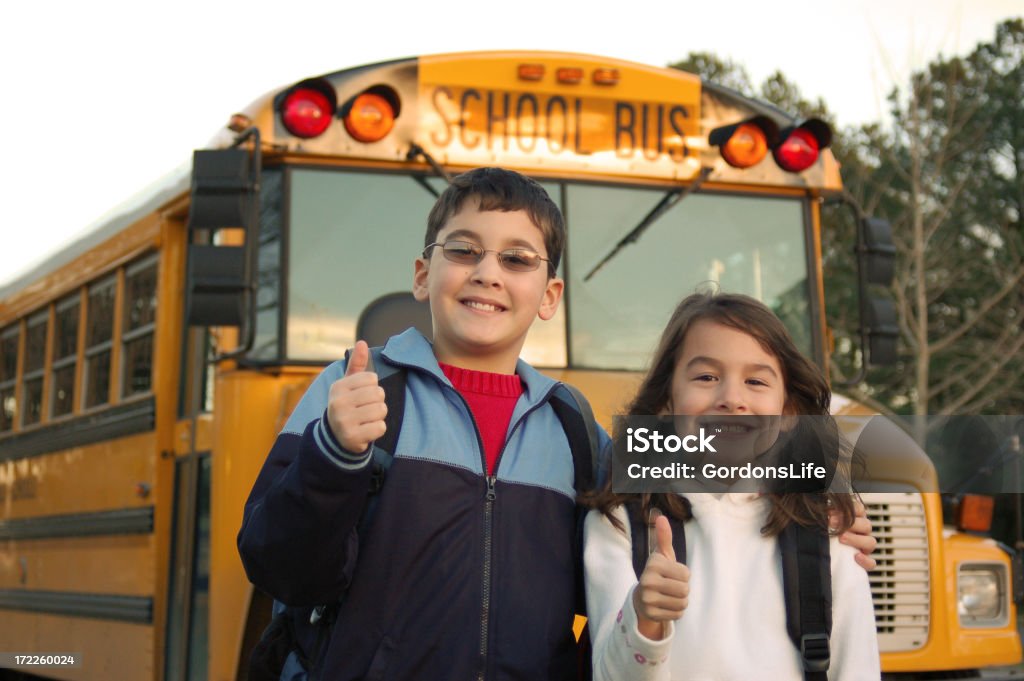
x=801, y=146
x=306, y=112
x=797, y=152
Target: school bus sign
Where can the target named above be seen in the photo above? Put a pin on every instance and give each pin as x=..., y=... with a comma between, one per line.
x=570, y=117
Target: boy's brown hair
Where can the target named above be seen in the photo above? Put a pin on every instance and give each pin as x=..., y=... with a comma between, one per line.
x=502, y=190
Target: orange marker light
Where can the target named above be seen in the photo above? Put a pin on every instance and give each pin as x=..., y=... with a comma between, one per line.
x=975, y=513
x=569, y=76
x=531, y=72
x=370, y=118
x=747, y=145
x=606, y=76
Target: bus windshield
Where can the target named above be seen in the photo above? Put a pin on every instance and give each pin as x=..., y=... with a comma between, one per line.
x=739, y=244
x=352, y=236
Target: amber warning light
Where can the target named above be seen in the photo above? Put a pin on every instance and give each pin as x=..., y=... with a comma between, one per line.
x=569, y=75
x=532, y=72
x=371, y=115
x=974, y=513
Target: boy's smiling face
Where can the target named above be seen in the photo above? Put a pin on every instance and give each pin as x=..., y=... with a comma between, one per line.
x=482, y=312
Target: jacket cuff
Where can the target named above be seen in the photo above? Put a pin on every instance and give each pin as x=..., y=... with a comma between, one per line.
x=643, y=650
x=333, y=450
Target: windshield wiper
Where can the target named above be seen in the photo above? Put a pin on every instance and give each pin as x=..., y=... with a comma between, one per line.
x=668, y=201
x=416, y=151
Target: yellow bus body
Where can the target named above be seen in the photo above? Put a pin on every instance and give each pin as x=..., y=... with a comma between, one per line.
x=463, y=111
x=244, y=435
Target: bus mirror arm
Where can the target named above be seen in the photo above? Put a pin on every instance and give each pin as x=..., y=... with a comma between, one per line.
x=416, y=151
x=668, y=201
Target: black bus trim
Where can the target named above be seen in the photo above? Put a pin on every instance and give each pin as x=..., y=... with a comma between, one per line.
x=102, y=523
x=137, y=609
x=137, y=416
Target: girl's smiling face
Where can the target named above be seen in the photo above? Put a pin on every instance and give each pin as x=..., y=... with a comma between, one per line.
x=723, y=372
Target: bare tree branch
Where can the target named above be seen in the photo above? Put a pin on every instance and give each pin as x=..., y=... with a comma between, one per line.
x=969, y=395
x=962, y=372
x=988, y=304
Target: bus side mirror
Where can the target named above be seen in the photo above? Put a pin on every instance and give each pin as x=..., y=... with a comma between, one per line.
x=216, y=285
x=882, y=329
x=877, y=266
x=225, y=194
x=222, y=191
x=878, y=253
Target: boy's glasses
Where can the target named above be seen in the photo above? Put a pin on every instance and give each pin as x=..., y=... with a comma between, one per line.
x=468, y=253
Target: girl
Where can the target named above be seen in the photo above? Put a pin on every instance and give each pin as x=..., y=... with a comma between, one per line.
x=722, y=616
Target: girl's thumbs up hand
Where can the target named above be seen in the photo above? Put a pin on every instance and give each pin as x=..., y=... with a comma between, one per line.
x=356, y=408
x=664, y=587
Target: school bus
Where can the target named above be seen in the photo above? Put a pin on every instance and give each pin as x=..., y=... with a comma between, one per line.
x=146, y=369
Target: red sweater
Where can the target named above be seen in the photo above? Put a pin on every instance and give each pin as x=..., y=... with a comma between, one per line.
x=491, y=399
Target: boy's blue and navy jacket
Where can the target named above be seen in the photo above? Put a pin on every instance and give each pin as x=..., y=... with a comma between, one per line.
x=458, y=576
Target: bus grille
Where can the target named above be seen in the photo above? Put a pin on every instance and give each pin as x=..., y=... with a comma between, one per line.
x=899, y=585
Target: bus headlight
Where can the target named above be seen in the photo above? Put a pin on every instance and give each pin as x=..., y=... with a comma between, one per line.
x=982, y=595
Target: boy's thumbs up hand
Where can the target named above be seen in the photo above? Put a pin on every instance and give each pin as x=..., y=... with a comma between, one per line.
x=355, y=407
x=359, y=359
x=664, y=587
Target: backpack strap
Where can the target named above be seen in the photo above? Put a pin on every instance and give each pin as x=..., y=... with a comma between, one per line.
x=807, y=587
x=392, y=378
x=640, y=536
x=577, y=419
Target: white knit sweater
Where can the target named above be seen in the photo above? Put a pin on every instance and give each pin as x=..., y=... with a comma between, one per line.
x=734, y=627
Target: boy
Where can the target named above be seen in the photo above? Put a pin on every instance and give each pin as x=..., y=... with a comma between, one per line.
x=468, y=567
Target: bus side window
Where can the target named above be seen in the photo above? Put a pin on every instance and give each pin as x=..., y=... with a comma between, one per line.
x=8, y=375
x=139, y=321
x=35, y=360
x=99, y=333
x=65, y=356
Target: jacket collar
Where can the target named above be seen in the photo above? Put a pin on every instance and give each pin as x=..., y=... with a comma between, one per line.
x=411, y=349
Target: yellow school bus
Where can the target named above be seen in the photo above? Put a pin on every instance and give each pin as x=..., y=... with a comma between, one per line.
x=146, y=369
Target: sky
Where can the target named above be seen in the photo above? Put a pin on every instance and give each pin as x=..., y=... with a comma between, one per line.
x=102, y=98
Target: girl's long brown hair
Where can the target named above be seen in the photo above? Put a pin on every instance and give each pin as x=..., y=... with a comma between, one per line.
x=807, y=393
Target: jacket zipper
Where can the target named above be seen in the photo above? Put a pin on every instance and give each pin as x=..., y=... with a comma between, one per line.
x=485, y=606
x=485, y=611
x=492, y=495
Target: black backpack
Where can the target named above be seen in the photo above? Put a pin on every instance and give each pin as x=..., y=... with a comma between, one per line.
x=806, y=577
x=293, y=646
